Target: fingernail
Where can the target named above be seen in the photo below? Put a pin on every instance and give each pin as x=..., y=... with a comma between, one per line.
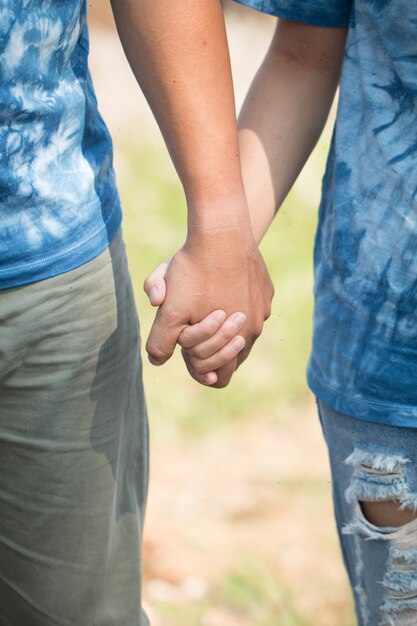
x=219, y=317
x=239, y=319
x=238, y=343
x=153, y=292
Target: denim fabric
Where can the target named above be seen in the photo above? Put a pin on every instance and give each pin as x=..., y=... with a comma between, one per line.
x=59, y=205
x=375, y=462
x=73, y=449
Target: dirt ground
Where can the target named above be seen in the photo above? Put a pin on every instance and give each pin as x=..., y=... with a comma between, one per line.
x=253, y=497
x=259, y=492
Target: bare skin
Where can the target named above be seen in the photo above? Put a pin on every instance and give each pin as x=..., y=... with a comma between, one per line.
x=387, y=513
x=236, y=280
x=302, y=65
x=179, y=55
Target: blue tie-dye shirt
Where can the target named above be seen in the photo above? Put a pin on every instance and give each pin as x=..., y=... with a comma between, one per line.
x=364, y=355
x=59, y=205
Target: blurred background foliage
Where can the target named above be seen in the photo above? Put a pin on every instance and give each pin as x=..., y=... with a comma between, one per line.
x=154, y=227
x=239, y=524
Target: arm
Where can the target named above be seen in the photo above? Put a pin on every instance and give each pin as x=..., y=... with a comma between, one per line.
x=179, y=55
x=281, y=120
x=284, y=113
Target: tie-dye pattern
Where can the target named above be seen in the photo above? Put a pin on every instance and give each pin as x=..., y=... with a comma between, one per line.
x=315, y=12
x=364, y=357
x=59, y=205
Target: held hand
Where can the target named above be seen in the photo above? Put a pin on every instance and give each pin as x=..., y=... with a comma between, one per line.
x=211, y=345
x=215, y=336
x=207, y=345
x=216, y=269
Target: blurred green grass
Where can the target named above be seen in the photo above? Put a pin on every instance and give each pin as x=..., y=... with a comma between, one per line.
x=154, y=228
x=245, y=590
x=248, y=594
x=271, y=380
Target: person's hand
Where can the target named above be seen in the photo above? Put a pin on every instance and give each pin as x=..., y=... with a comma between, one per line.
x=215, y=336
x=220, y=270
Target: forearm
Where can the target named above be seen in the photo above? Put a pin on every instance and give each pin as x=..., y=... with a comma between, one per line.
x=178, y=52
x=284, y=113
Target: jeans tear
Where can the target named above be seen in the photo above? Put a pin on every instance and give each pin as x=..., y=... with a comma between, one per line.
x=379, y=477
x=376, y=461
x=400, y=584
x=404, y=557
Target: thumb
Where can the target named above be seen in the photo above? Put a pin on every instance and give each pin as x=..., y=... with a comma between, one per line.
x=163, y=337
x=154, y=286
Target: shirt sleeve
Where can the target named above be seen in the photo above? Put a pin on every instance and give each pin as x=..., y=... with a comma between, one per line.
x=334, y=13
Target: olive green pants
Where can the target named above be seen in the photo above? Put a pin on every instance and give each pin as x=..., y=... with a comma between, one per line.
x=73, y=449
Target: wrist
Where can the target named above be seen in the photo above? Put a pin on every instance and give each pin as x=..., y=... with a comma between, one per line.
x=222, y=212
x=221, y=247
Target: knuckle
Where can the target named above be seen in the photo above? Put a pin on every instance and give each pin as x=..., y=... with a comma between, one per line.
x=197, y=365
x=193, y=352
x=199, y=353
x=229, y=352
x=226, y=333
x=156, y=353
x=206, y=327
x=184, y=341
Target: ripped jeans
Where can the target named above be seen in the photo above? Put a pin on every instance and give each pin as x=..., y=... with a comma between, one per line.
x=376, y=463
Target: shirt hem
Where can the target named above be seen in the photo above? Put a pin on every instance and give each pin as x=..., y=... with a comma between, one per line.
x=359, y=408
x=71, y=257
x=311, y=15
